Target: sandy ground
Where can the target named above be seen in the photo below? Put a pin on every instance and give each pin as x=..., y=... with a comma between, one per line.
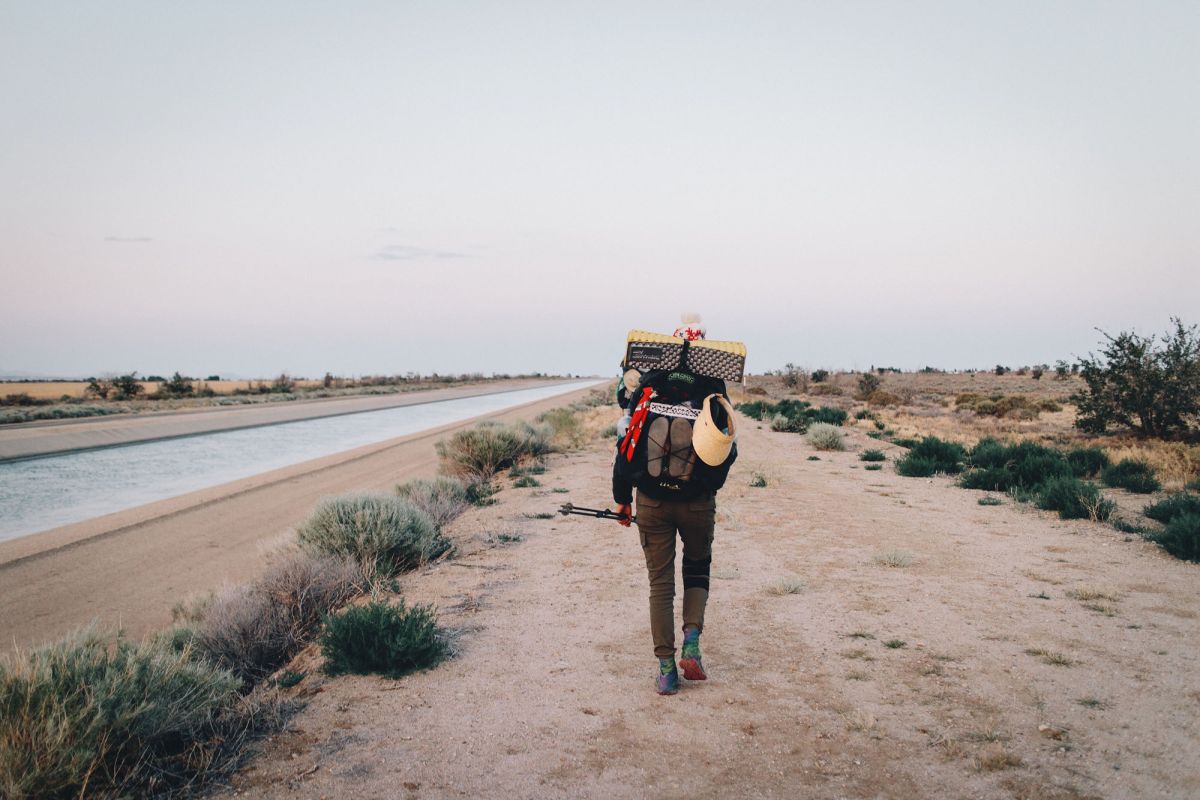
x=22, y=440
x=129, y=568
x=550, y=693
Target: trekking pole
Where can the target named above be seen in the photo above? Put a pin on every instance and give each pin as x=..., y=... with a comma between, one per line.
x=569, y=508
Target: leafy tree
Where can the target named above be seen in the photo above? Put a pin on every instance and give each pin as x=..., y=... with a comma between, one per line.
x=867, y=384
x=178, y=386
x=1061, y=370
x=99, y=387
x=127, y=386
x=1138, y=382
x=820, y=375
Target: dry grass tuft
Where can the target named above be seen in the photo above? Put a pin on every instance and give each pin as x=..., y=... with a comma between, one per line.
x=1052, y=657
x=894, y=558
x=789, y=585
x=996, y=757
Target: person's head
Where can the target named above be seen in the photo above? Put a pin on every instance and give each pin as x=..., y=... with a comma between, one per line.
x=690, y=328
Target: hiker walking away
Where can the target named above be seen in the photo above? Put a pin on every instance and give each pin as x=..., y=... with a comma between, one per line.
x=675, y=447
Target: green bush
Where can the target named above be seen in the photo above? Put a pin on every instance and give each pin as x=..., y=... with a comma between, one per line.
x=1133, y=475
x=1073, y=498
x=785, y=424
x=932, y=452
x=990, y=500
x=442, y=498
x=1193, y=485
x=382, y=638
x=824, y=436
x=758, y=480
x=383, y=533
x=90, y=716
x=828, y=415
x=999, y=467
x=480, y=452
x=1087, y=462
x=872, y=455
x=1176, y=505
x=916, y=466
x=820, y=375
x=1181, y=537
x=756, y=409
x=873, y=467
x=906, y=443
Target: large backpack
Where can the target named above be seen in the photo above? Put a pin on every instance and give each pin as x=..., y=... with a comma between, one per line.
x=657, y=449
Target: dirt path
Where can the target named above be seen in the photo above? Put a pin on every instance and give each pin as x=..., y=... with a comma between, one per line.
x=130, y=567
x=550, y=694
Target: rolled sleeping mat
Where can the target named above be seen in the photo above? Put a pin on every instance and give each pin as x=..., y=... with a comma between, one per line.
x=712, y=444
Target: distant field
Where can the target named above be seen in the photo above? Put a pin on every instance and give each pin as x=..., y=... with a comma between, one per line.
x=53, y=390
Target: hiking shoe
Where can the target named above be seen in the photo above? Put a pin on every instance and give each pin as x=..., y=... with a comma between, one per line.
x=689, y=656
x=668, y=676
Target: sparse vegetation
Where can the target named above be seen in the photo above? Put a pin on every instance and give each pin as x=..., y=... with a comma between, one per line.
x=1173, y=506
x=478, y=453
x=894, y=558
x=384, y=533
x=1052, y=657
x=932, y=456
x=873, y=467
x=1073, y=498
x=895, y=644
x=868, y=384
x=382, y=638
x=252, y=630
x=872, y=455
x=990, y=500
x=788, y=585
x=1131, y=475
x=441, y=498
x=97, y=717
x=525, y=482
x=758, y=480
x=1181, y=537
x=825, y=436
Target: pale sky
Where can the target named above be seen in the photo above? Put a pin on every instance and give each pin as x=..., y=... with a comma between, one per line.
x=250, y=187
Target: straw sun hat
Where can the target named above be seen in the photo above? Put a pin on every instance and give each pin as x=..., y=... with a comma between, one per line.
x=711, y=443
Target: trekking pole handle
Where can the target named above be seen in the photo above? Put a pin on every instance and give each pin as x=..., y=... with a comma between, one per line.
x=599, y=513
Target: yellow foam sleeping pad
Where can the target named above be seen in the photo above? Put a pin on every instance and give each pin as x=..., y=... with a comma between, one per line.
x=646, y=350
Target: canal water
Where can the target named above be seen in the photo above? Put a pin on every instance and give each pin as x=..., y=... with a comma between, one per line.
x=43, y=493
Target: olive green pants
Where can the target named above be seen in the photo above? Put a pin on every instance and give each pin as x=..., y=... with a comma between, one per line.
x=659, y=523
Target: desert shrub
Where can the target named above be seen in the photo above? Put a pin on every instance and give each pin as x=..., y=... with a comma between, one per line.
x=480, y=452
x=22, y=399
x=127, y=387
x=783, y=423
x=756, y=390
x=794, y=377
x=254, y=629
x=758, y=480
x=1133, y=475
x=1181, y=537
x=1142, y=384
x=1087, y=462
x=820, y=375
x=1193, y=485
x=906, y=442
x=1176, y=505
x=609, y=432
x=932, y=455
x=864, y=413
x=442, y=498
x=90, y=716
x=990, y=500
x=382, y=638
x=882, y=397
x=525, y=482
x=824, y=436
x=911, y=466
x=57, y=412
x=827, y=414
x=995, y=466
x=873, y=467
x=383, y=533
x=1073, y=498
x=566, y=429
x=868, y=384
x=826, y=390
x=872, y=455
x=756, y=409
